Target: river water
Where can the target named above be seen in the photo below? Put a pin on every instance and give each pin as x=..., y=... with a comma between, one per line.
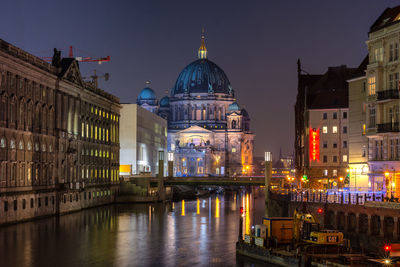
x=200, y=232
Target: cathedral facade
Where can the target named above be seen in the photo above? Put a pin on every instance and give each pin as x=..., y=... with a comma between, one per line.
x=208, y=132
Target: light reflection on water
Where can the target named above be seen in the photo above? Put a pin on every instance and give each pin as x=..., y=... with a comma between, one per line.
x=199, y=232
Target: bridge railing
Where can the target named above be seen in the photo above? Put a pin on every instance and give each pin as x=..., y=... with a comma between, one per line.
x=337, y=197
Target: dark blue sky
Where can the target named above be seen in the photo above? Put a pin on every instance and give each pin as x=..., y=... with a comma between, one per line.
x=257, y=43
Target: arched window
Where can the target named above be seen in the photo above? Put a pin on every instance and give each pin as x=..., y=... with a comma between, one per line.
x=3, y=142
x=37, y=147
x=44, y=147
x=234, y=124
x=50, y=148
x=21, y=145
x=12, y=144
x=29, y=146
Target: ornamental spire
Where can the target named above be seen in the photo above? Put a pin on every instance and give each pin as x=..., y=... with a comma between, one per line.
x=202, y=54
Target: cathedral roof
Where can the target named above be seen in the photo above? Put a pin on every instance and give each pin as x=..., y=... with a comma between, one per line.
x=234, y=107
x=147, y=93
x=164, y=102
x=202, y=76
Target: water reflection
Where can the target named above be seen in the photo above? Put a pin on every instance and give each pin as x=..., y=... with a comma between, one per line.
x=201, y=232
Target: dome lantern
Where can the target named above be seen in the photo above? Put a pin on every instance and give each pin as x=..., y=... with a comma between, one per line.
x=202, y=53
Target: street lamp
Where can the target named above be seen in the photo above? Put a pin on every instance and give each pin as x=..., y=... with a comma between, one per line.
x=387, y=182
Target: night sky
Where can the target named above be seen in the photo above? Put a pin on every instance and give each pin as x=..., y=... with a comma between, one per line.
x=256, y=43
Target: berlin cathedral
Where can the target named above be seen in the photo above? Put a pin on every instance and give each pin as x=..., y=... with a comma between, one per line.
x=208, y=132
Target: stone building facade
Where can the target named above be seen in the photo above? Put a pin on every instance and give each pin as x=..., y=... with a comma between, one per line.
x=358, y=141
x=383, y=105
x=59, y=137
x=321, y=125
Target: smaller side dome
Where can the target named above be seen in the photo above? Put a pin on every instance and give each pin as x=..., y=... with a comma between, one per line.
x=234, y=107
x=147, y=94
x=164, y=102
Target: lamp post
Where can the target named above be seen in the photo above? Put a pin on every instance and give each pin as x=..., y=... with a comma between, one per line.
x=268, y=173
x=387, y=182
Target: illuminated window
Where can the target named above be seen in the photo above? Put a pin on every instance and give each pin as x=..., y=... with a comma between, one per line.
x=95, y=112
x=233, y=150
x=325, y=172
x=106, y=135
x=334, y=129
x=91, y=131
x=87, y=130
x=83, y=129
x=100, y=133
x=334, y=173
x=95, y=132
x=325, y=129
x=371, y=85
x=344, y=158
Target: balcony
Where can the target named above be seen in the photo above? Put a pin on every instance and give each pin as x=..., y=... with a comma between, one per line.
x=388, y=94
x=388, y=127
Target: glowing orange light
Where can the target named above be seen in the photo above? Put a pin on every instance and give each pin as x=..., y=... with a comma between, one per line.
x=386, y=174
x=341, y=179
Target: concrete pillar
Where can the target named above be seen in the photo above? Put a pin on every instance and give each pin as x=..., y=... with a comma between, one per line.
x=395, y=228
x=335, y=215
x=268, y=175
x=161, y=189
x=382, y=224
x=357, y=230
x=369, y=224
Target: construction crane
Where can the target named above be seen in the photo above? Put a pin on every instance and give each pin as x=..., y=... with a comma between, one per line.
x=95, y=78
x=81, y=59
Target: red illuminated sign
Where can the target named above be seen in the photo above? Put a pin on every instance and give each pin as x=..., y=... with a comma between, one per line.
x=314, y=144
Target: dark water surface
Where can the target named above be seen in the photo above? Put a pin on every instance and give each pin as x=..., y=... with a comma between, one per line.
x=198, y=232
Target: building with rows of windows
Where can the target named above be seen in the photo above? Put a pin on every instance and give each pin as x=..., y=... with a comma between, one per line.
x=322, y=127
x=59, y=137
x=383, y=104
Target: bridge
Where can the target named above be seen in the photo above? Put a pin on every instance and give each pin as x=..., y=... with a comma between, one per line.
x=217, y=181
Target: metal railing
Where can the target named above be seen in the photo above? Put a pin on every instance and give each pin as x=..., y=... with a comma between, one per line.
x=388, y=127
x=388, y=94
x=337, y=197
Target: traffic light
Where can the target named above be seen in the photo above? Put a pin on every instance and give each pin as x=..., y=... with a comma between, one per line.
x=241, y=210
x=305, y=178
x=320, y=210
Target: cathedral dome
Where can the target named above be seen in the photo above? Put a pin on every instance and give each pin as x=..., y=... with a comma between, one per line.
x=147, y=94
x=164, y=102
x=202, y=76
x=233, y=107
